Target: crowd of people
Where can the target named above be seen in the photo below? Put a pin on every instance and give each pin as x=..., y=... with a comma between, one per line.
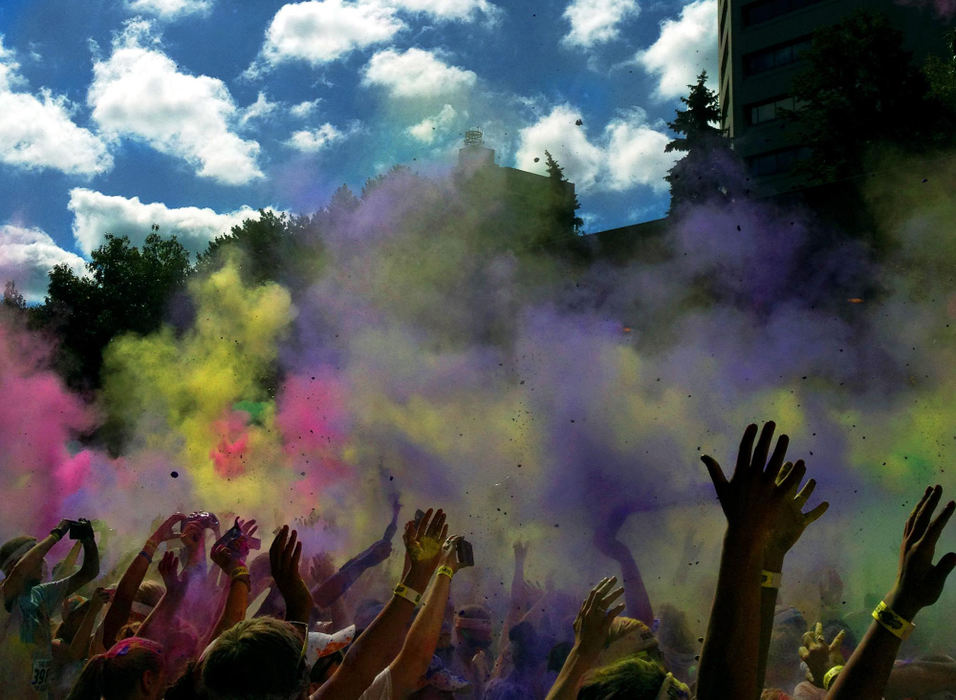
x=240, y=623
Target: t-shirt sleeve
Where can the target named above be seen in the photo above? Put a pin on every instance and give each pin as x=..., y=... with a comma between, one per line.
x=381, y=688
x=50, y=595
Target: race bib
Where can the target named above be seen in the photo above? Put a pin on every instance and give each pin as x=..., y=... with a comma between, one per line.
x=41, y=674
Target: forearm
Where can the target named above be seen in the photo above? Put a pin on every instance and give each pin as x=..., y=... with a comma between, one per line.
x=90, y=569
x=420, y=642
x=122, y=604
x=235, y=608
x=161, y=617
x=867, y=671
x=569, y=679
x=376, y=646
x=772, y=562
x=336, y=585
x=635, y=592
x=920, y=678
x=729, y=657
x=80, y=645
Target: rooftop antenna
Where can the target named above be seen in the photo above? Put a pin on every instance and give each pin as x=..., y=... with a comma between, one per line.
x=473, y=137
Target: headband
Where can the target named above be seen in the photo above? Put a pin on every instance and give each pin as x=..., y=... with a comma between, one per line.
x=140, y=608
x=472, y=623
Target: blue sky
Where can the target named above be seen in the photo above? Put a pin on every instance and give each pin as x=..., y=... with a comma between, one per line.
x=192, y=114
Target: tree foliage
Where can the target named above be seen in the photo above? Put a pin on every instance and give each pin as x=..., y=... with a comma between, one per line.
x=709, y=168
x=860, y=88
x=126, y=289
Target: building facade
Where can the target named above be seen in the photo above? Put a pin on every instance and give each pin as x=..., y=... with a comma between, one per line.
x=760, y=45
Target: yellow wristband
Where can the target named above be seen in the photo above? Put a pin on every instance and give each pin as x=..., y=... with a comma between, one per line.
x=445, y=570
x=411, y=595
x=892, y=622
x=830, y=675
x=770, y=579
x=239, y=571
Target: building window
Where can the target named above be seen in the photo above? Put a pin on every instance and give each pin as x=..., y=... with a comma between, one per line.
x=775, y=56
x=765, y=10
x=770, y=110
x=777, y=162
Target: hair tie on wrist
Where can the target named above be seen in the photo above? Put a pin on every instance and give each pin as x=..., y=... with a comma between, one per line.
x=830, y=675
x=770, y=579
x=445, y=570
x=409, y=594
x=893, y=623
x=146, y=555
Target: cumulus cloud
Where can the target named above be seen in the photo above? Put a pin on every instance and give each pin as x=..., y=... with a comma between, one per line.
x=141, y=93
x=170, y=9
x=304, y=109
x=27, y=255
x=322, y=31
x=415, y=73
x=629, y=152
x=259, y=109
x=39, y=132
x=96, y=214
x=686, y=46
x=429, y=128
x=314, y=140
x=458, y=10
x=596, y=21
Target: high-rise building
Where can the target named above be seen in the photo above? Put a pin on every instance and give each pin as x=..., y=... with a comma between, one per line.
x=760, y=46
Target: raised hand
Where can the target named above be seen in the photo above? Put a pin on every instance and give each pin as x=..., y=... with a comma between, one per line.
x=423, y=542
x=284, y=556
x=174, y=580
x=791, y=521
x=165, y=529
x=230, y=552
x=593, y=622
x=920, y=582
x=820, y=656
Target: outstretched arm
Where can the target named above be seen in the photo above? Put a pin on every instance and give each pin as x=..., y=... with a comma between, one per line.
x=918, y=584
x=382, y=640
x=12, y=585
x=412, y=662
x=590, y=634
x=635, y=592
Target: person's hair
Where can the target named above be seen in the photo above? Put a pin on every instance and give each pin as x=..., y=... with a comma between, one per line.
x=149, y=593
x=11, y=546
x=257, y=659
x=116, y=674
x=631, y=678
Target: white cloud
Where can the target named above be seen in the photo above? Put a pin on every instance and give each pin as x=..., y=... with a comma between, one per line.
x=323, y=31
x=38, y=132
x=170, y=9
x=259, y=109
x=27, y=255
x=635, y=154
x=304, y=109
x=314, y=140
x=596, y=21
x=415, y=73
x=629, y=152
x=96, y=214
x=447, y=9
x=430, y=127
x=686, y=46
x=141, y=93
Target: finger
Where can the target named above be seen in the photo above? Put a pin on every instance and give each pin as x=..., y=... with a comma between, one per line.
x=908, y=528
x=289, y=551
x=784, y=470
x=937, y=576
x=935, y=528
x=776, y=459
x=804, y=653
x=807, y=638
x=296, y=557
x=614, y=612
x=437, y=523
x=278, y=544
x=818, y=630
x=815, y=513
x=759, y=458
x=794, y=477
x=746, y=447
x=423, y=524
x=926, y=513
x=444, y=531
x=804, y=494
x=606, y=584
x=611, y=597
x=716, y=473
x=837, y=641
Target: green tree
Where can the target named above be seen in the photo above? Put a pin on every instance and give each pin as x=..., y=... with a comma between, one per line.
x=706, y=170
x=126, y=289
x=860, y=89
